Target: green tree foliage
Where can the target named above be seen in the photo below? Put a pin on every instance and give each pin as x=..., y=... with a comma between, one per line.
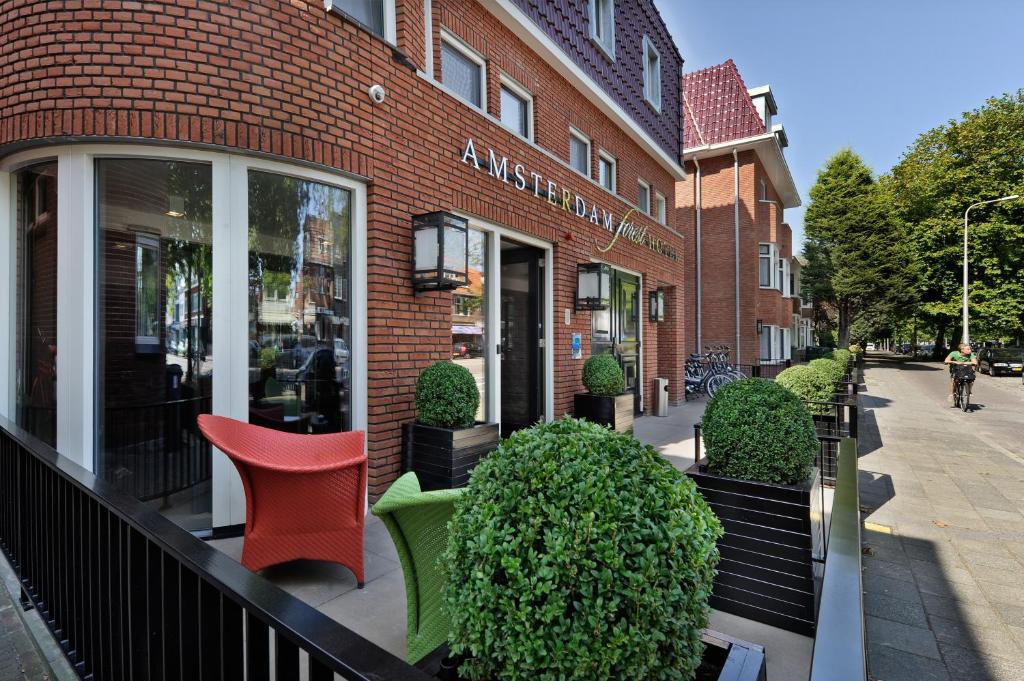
x=859, y=257
x=976, y=158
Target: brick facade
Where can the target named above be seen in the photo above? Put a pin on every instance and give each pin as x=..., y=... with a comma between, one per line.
x=287, y=80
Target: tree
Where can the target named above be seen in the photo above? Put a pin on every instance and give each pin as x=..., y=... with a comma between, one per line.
x=859, y=259
x=979, y=157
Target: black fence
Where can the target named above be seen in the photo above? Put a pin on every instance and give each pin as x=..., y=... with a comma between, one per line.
x=131, y=596
x=839, y=421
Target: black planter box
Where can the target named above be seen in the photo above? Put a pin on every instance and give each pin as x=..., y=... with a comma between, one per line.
x=773, y=538
x=442, y=458
x=725, y=659
x=614, y=412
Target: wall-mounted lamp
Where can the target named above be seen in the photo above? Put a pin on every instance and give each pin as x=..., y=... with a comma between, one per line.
x=656, y=305
x=760, y=327
x=593, y=286
x=440, y=251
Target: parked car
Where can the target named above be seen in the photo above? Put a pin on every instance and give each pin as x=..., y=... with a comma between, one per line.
x=997, y=361
x=869, y=347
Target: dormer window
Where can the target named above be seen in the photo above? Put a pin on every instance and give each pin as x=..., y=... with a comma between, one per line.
x=602, y=25
x=652, y=74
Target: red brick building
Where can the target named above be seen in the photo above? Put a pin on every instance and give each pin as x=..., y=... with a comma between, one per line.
x=737, y=187
x=281, y=150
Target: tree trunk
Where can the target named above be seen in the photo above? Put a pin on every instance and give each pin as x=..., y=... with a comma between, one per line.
x=844, y=325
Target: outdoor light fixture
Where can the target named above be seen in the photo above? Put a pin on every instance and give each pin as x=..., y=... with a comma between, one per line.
x=760, y=327
x=593, y=286
x=656, y=305
x=441, y=252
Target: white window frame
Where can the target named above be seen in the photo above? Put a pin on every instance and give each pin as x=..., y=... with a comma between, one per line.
x=644, y=184
x=581, y=137
x=773, y=263
x=660, y=209
x=780, y=269
x=603, y=155
x=607, y=43
x=787, y=289
x=652, y=89
x=152, y=243
x=461, y=46
x=518, y=90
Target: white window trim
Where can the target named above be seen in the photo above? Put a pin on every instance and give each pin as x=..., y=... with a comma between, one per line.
x=650, y=196
x=460, y=45
x=390, y=24
x=652, y=98
x=660, y=207
x=773, y=256
x=602, y=154
x=151, y=242
x=606, y=46
x=511, y=84
x=574, y=132
x=787, y=290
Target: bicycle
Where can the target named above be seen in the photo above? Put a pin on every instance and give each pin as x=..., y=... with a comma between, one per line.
x=706, y=373
x=963, y=381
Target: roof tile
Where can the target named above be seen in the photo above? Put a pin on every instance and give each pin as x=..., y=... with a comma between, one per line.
x=717, y=107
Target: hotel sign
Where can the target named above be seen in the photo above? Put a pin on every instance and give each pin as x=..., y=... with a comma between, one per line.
x=542, y=188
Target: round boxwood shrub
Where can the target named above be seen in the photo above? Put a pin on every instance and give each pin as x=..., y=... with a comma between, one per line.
x=809, y=384
x=578, y=554
x=755, y=429
x=831, y=368
x=856, y=349
x=602, y=375
x=447, y=396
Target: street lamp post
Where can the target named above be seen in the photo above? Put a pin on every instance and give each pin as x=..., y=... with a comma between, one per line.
x=966, y=335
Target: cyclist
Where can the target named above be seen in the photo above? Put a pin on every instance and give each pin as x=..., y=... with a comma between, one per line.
x=963, y=357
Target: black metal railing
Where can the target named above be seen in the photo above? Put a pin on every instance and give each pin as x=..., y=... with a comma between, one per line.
x=839, y=641
x=839, y=421
x=131, y=596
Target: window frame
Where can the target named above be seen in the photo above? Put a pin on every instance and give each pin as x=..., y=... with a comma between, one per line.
x=652, y=90
x=604, y=43
x=462, y=47
x=643, y=184
x=390, y=34
x=603, y=155
x=770, y=257
x=150, y=242
x=581, y=137
x=660, y=208
x=506, y=82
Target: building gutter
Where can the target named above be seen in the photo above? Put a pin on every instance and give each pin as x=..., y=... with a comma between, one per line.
x=698, y=258
x=736, y=183
x=770, y=154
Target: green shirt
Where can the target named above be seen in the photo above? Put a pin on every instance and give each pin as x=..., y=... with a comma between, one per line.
x=955, y=356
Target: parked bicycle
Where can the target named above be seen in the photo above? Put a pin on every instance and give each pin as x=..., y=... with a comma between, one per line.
x=707, y=372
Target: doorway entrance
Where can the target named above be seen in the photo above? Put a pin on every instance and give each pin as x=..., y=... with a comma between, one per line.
x=617, y=330
x=521, y=346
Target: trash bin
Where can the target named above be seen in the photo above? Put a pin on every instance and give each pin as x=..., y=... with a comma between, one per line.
x=661, y=397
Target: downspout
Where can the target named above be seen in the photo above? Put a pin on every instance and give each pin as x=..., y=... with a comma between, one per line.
x=700, y=307
x=736, y=180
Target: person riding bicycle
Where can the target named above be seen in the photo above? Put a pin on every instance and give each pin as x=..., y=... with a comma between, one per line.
x=962, y=357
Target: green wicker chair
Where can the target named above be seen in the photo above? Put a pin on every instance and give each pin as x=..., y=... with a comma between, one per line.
x=418, y=523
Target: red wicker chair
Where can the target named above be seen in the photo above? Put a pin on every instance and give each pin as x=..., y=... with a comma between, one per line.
x=305, y=495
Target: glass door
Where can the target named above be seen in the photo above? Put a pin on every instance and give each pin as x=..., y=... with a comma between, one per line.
x=522, y=337
x=617, y=330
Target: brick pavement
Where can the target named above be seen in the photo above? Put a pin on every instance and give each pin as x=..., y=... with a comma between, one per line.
x=20, y=660
x=942, y=496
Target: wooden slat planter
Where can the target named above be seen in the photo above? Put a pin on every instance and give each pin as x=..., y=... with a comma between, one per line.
x=773, y=535
x=615, y=412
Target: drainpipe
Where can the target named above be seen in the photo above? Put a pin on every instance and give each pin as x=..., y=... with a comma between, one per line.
x=736, y=173
x=700, y=308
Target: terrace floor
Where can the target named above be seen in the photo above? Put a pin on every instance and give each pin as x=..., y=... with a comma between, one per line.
x=377, y=612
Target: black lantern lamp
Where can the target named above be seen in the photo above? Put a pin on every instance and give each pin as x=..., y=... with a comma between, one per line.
x=760, y=327
x=440, y=251
x=593, y=286
x=656, y=306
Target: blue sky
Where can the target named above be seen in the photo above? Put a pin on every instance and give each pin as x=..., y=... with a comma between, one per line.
x=867, y=74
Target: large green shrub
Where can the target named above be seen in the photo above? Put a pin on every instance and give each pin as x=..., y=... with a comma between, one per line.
x=578, y=554
x=809, y=384
x=755, y=429
x=843, y=357
x=447, y=396
x=602, y=375
x=835, y=371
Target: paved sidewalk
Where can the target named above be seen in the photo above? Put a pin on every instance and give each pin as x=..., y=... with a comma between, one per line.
x=20, y=660
x=942, y=495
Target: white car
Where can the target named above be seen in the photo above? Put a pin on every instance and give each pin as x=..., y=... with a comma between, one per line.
x=869, y=346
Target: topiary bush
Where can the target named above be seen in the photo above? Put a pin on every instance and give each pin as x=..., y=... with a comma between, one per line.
x=809, y=384
x=755, y=429
x=856, y=349
x=602, y=375
x=578, y=554
x=447, y=396
x=843, y=357
x=835, y=371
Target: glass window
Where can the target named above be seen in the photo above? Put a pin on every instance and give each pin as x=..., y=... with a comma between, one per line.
x=154, y=222
x=300, y=323
x=579, y=153
x=602, y=25
x=461, y=74
x=515, y=111
x=36, y=290
x=781, y=273
x=469, y=319
x=659, y=207
x=644, y=197
x=652, y=74
x=369, y=13
x=606, y=172
x=765, y=266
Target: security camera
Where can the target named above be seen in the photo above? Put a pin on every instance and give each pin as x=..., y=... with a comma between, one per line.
x=378, y=94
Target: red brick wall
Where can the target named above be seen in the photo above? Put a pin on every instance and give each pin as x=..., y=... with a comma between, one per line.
x=284, y=78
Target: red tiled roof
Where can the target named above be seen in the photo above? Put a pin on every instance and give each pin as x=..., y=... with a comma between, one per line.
x=717, y=107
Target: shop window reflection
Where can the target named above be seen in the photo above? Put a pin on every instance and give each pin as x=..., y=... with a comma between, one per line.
x=469, y=319
x=300, y=331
